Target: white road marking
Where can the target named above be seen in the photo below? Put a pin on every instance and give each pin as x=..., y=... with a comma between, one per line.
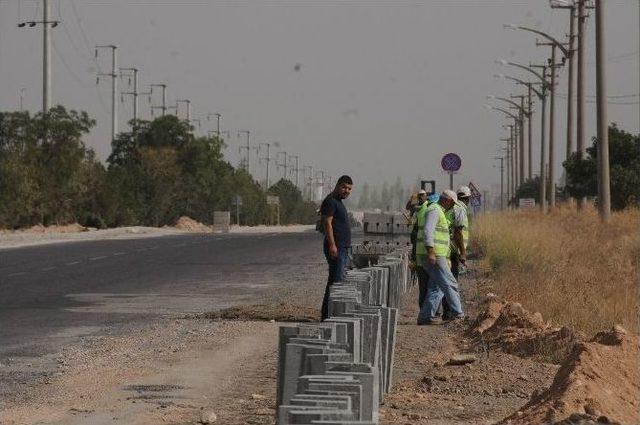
x=101, y=257
x=73, y=263
x=119, y=253
x=46, y=269
x=16, y=274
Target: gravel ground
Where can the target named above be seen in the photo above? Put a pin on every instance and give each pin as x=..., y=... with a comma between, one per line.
x=182, y=370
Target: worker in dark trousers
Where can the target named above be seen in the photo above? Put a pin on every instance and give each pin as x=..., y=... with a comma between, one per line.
x=337, y=236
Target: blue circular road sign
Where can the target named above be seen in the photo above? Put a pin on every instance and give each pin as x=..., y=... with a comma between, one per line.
x=451, y=162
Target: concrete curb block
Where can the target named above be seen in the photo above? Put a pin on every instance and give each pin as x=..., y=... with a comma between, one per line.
x=337, y=371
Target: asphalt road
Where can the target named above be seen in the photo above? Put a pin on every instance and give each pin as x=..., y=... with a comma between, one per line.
x=53, y=295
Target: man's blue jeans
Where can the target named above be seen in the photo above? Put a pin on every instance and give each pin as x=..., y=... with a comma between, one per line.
x=441, y=284
x=336, y=274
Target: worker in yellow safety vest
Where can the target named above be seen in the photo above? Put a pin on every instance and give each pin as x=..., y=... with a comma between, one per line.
x=420, y=248
x=441, y=283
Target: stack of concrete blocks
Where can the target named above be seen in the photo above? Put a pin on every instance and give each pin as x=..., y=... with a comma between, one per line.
x=387, y=228
x=337, y=371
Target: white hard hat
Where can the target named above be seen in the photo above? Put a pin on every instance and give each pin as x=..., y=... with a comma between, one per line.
x=464, y=192
x=422, y=192
x=449, y=194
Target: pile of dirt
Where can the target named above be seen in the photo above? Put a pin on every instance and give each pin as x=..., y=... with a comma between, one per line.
x=283, y=312
x=508, y=326
x=190, y=225
x=599, y=382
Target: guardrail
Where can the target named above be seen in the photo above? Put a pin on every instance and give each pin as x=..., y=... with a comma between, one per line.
x=337, y=371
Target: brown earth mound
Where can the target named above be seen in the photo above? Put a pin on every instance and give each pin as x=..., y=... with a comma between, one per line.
x=190, y=225
x=515, y=330
x=599, y=382
x=282, y=312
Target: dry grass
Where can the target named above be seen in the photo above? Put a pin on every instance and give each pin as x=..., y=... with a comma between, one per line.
x=567, y=266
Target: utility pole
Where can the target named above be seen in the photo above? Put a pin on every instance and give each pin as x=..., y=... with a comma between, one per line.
x=132, y=73
x=296, y=169
x=580, y=145
x=282, y=164
x=530, y=133
x=501, y=181
x=46, y=52
x=507, y=150
x=571, y=7
x=163, y=105
x=114, y=85
x=46, y=58
x=218, y=118
x=268, y=161
x=543, y=143
x=21, y=93
x=604, y=191
x=308, y=178
x=514, y=160
x=521, y=148
x=248, y=148
x=187, y=102
x=321, y=182
x=552, y=130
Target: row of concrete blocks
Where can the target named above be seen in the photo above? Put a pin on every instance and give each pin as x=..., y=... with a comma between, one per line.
x=386, y=223
x=337, y=371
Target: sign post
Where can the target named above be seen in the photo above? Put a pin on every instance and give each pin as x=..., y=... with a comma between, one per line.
x=238, y=201
x=451, y=163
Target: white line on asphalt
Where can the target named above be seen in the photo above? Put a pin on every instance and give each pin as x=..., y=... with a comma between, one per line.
x=97, y=258
x=46, y=269
x=119, y=253
x=73, y=263
x=16, y=274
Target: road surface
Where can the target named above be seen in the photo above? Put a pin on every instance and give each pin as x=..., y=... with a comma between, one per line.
x=54, y=295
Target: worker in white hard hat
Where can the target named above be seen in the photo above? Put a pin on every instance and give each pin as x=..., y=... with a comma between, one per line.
x=442, y=283
x=459, y=219
x=415, y=201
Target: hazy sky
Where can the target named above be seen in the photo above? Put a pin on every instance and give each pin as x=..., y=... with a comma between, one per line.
x=382, y=88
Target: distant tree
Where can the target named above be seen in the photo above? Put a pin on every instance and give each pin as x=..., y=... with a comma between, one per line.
x=47, y=174
x=624, y=159
x=293, y=208
x=530, y=188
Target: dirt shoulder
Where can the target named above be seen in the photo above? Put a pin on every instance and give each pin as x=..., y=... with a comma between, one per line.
x=428, y=390
x=171, y=372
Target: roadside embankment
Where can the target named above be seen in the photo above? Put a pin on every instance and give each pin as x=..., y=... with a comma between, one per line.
x=567, y=265
x=581, y=276
x=41, y=235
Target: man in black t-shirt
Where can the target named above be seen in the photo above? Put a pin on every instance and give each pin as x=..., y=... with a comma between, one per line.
x=337, y=235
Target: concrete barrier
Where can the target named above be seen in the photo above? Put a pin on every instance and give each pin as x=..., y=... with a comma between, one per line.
x=221, y=221
x=337, y=371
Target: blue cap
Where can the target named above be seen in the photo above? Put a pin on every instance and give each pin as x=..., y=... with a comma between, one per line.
x=434, y=197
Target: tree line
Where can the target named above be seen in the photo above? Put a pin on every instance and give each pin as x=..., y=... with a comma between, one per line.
x=582, y=174
x=157, y=172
